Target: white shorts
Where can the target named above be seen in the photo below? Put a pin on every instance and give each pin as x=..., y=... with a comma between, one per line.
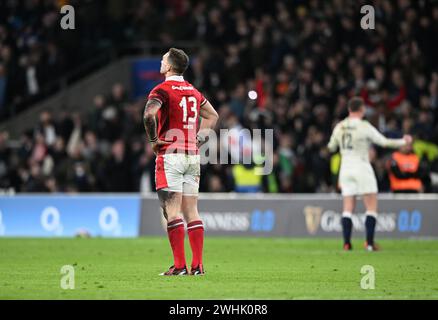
x=178, y=172
x=357, y=180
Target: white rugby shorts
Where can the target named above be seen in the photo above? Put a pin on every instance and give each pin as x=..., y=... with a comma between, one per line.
x=357, y=180
x=178, y=172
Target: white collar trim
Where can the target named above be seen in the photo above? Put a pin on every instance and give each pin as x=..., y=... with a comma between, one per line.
x=175, y=78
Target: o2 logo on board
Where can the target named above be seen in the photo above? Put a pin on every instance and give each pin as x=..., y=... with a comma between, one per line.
x=51, y=221
x=109, y=221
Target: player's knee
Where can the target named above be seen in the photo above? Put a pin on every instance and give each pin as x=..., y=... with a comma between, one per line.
x=191, y=213
x=192, y=216
x=171, y=215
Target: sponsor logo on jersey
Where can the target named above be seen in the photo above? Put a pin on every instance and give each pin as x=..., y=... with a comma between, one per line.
x=181, y=88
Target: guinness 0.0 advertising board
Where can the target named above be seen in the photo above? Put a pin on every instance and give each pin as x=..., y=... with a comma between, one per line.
x=400, y=216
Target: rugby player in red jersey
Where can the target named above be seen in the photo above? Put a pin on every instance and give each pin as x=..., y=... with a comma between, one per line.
x=171, y=120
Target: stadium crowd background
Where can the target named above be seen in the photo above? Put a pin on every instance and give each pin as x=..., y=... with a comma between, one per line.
x=304, y=59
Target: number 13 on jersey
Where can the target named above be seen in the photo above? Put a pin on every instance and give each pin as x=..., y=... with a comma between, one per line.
x=184, y=104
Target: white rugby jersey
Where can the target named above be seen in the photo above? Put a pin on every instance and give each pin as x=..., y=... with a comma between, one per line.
x=354, y=137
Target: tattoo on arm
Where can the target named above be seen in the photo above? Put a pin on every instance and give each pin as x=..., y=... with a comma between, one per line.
x=150, y=125
x=149, y=120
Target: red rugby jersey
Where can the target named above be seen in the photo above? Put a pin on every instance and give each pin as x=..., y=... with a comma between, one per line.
x=178, y=117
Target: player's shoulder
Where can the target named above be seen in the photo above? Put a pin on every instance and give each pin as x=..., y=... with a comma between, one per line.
x=189, y=86
x=341, y=124
x=160, y=92
x=353, y=123
x=365, y=124
x=195, y=90
x=159, y=88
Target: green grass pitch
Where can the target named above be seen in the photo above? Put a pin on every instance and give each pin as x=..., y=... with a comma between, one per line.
x=236, y=268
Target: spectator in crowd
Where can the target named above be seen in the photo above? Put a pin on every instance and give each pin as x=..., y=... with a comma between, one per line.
x=406, y=171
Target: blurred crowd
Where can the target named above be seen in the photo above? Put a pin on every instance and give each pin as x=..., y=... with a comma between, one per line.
x=35, y=52
x=300, y=61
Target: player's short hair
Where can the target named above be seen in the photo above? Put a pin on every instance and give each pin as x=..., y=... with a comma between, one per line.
x=178, y=59
x=355, y=103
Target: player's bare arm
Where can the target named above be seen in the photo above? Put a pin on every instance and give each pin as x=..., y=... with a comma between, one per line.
x=149, y=119
x=150, y=123
x=209, y=119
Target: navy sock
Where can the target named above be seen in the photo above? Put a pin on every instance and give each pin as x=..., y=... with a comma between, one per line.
x=370, y=225
x=347, y=226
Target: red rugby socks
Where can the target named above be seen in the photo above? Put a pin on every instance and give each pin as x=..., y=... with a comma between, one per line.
x=195, y=229
x=175, y=231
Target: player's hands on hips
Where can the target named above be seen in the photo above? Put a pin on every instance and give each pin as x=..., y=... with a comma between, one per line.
x=200, y=140
x=157, y=144
x=408, y=138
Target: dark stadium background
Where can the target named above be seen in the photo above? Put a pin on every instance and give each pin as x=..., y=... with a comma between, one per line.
x=305, y=59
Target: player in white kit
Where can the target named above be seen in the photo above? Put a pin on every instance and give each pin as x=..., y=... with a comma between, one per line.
x=354, y=137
